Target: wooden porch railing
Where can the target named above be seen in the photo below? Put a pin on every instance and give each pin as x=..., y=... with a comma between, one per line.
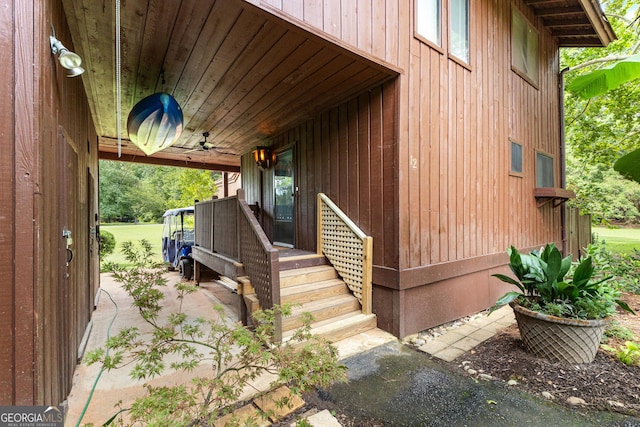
x=260, y=260
x=216, y=226
x=348, y=248
x=229, y=227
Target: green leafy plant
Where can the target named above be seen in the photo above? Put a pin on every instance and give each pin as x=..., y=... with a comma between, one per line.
x=624, y=267
x=549, y=283
x=236, y=355
x=107, y=243
x=615, y=330
x=303, y=423
x=109, y=267
x=629, y=353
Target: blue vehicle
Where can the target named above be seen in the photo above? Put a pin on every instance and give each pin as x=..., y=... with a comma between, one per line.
x=177, y=239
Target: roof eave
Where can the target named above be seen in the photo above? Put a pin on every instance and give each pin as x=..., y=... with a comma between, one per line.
x=599, y=21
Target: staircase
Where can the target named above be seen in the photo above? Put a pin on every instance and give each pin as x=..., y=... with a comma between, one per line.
x=318, y=290
x=310, y=285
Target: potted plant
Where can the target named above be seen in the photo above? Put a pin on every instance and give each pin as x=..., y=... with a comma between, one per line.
x=561, y=312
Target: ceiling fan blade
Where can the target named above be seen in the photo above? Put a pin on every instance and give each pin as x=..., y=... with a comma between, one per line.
x=192, y=150
x=223, y=151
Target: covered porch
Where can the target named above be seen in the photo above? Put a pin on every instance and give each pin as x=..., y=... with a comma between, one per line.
x=244, y=73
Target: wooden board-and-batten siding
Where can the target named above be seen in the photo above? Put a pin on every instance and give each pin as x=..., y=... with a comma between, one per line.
x=423, y=163
x=49, y=175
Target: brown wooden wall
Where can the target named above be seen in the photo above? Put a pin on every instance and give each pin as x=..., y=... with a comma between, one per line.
x=460, y=198
x=438, y=197
x=49, y=171
x=342, y=153
x=456, y=196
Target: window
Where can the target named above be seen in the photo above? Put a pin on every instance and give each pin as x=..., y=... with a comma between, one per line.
x=428, y=20
x=459, y=19
x=544, y=170
x=516, y=158
x=429, y=25
x=524, y=47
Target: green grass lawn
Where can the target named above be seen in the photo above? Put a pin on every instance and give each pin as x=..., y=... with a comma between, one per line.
x=134, y=232
x=619, y=240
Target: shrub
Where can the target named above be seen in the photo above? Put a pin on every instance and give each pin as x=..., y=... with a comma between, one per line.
x=629, y=353
x=235, y=354
x=109, y=267
x=625, y=268
x=107, y=243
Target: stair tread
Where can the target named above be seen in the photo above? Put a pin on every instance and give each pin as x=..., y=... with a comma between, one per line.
x=299, y=257
x=347, y=317
x=323, y=303
x=341, y=326
x=306, y=270
x=307, y=287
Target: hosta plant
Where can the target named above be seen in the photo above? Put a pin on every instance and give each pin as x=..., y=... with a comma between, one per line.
x=551, y=284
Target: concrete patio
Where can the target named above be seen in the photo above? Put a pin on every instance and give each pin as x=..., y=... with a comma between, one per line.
x=116, y=387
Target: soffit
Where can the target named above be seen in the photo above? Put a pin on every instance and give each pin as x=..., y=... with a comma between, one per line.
x=238, y=72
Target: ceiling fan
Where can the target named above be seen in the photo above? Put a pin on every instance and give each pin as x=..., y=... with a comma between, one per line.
x=205, y=145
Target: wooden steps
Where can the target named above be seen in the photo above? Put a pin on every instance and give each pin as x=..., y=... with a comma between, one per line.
x=322, y=309
x=301, y=261
x=319, y=291
x=306, y=275
x=342, y=327
x=312, y=291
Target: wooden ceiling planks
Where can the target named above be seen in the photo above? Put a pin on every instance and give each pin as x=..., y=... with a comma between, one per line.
x=267, y=111
x=133, y=18
x=234, y=96
x=190, y=22
x=212, y=51
x=83, y=20
x=245, y=78
x=155, y=41
x=238, y=72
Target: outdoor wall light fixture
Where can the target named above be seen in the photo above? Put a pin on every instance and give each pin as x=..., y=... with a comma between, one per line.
x=264, y=158
x=69, y=60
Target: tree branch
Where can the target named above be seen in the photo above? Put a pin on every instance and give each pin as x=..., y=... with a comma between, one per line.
x=598, y=61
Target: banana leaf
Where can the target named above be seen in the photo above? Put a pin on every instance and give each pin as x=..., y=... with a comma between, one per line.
x=629, y=165
x=604, y=79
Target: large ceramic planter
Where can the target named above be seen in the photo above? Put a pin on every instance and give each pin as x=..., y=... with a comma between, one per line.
x=559, y=339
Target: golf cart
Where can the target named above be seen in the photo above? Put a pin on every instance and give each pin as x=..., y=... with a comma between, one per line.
x=177, y=238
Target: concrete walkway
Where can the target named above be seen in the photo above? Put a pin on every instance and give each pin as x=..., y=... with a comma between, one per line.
x=457, y=341
x=116, y=387
x=389, y=382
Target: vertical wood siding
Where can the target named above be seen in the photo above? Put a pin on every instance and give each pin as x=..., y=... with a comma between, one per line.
x=347, y=153
x=7, y=177
x=455, y=196
x=49, y=159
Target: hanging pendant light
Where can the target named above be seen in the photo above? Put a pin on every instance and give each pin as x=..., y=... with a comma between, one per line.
x=155, y=123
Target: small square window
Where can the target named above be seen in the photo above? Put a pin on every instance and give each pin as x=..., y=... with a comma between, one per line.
x=544, y=171
x=516, y=158
x=428, y=22
x=524, y=47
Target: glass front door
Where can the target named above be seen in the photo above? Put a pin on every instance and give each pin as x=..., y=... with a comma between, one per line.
x=283, y=186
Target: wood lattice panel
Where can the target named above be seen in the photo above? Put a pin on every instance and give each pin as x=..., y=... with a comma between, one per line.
x=344, y=249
